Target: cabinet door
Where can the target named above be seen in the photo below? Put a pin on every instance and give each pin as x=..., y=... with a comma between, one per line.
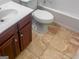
x=25, y=36
x=9, y=48
x=16, y=44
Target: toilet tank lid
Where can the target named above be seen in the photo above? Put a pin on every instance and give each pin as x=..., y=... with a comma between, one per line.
x=42, y=14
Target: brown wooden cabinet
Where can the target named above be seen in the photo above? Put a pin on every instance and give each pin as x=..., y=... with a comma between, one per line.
x=8, y=48
x=16, y=44
x=25, y=36
x=25, y=31
x=16, y=38
x=9, y=43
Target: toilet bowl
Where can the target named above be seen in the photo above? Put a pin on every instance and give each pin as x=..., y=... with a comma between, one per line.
x=43, y=18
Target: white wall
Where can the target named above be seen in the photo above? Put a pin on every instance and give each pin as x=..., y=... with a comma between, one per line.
x=3, y=1
x=68, y=6
x=66, y=12
x=31, y=4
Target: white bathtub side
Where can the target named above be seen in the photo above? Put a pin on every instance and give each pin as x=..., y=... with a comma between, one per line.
x=64, y=19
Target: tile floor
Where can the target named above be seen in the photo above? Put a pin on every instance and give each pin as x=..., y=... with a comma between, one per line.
x=57, y=43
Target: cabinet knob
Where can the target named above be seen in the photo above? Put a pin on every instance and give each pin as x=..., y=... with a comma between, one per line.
x=21, y=35
x=16, y=40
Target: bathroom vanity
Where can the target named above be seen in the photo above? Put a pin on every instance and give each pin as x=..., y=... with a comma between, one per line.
x=16, y=33
x=16, y=38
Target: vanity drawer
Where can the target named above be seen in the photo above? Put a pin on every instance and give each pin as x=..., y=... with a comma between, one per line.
x=24, y=21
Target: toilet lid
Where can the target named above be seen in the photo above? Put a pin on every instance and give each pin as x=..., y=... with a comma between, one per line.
x=42, y=14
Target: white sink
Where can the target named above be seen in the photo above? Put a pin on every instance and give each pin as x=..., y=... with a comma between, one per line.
x=8, y=13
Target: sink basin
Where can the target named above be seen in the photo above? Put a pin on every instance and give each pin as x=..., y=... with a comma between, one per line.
x=7, y=13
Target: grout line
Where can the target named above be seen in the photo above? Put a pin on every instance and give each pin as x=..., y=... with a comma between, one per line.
x=32, y=53
x=61, y=52
x=54, y=47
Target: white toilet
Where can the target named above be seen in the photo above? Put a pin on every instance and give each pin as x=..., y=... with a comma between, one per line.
x=42, y=18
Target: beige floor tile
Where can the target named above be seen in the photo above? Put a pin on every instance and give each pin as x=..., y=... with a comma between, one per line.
x=71, y=50
x=55, y=44
x=51, y=53
x=75, y=35
x=26, y=55
x=59, y=43
x=65, y=33
x=53, y=28
x=47, y=37
x=37, y=47
x=60, y=40
x=75, y=39
x=35, y=35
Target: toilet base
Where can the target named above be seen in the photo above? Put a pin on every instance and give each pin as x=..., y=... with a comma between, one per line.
x=41, y=28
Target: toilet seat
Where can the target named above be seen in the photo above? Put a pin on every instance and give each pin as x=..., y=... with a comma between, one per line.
x=43, y=16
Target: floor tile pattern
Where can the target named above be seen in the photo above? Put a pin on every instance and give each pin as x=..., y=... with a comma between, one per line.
x=57, y=43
